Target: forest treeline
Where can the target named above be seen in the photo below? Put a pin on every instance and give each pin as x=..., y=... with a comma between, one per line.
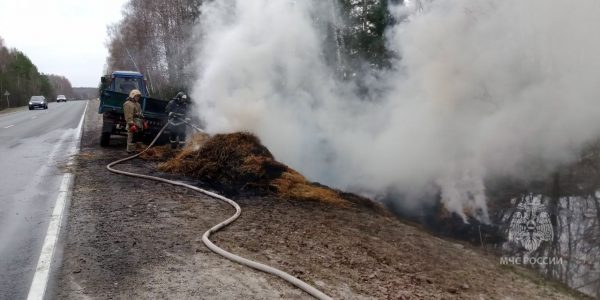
x=21, y=78
x=158, y=40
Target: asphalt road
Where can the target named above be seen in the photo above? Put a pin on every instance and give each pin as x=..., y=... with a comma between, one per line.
x=34, y=148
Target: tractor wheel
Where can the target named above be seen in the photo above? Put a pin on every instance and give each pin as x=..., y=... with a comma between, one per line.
x=105, y=139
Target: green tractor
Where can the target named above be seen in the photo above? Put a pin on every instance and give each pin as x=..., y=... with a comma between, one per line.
x=114, y=91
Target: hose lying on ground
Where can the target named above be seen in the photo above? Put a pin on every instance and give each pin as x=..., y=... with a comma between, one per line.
x=205, y=238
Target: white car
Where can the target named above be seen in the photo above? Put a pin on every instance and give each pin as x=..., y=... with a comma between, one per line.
x=61, y=98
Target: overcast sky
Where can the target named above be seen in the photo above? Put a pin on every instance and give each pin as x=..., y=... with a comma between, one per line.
x=63, y=37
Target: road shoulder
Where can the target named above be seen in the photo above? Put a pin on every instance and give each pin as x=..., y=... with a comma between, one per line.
x=11, y=110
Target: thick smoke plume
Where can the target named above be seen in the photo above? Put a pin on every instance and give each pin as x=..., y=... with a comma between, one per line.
x=478, y=89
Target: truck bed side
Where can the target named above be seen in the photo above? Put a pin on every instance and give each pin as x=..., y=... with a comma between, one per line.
x=113, y=101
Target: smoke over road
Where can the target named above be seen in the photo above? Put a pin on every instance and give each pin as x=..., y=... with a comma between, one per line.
x=479, y=89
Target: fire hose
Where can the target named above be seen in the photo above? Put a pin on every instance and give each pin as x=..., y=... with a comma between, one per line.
x=205, y=237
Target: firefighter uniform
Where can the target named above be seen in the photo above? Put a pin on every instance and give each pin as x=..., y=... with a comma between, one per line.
x=177, y=110
x=134, y=118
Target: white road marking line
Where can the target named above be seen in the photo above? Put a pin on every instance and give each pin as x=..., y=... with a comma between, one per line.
x=42, y=271
x=34, y=117
x=9, y=126
x=39, y=283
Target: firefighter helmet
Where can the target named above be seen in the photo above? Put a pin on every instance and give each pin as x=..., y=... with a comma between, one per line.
x=134, y=93
x=181, y=96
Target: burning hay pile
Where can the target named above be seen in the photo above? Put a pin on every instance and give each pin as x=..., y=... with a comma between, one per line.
x=239, y=162
x=158, y=153
x=164, y=152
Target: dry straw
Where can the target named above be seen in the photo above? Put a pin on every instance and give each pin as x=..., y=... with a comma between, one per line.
x=239, y=161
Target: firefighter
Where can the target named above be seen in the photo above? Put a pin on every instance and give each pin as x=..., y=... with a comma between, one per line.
x=135, y=120
x=177, y=110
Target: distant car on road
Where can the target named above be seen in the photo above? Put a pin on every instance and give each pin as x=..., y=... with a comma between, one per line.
x=61, y=98
x=38, y=101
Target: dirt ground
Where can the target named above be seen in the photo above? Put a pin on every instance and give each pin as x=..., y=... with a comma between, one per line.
x=133, y=238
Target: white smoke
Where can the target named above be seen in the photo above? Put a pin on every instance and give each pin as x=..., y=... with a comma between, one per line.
x=483, y=88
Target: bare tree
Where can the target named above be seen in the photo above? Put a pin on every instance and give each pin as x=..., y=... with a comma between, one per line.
x=155, y=39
